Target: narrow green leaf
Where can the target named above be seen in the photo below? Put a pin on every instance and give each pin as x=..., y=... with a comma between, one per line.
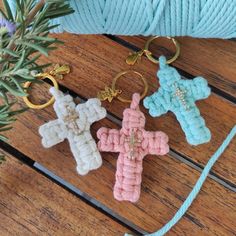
x=39, y=38
x=4, y=97
x=17, y=112
x=32, y=60
x=18, y=85
x=12, y=89
x=34, y=46
x=3, y=138
x=8, y=51
x=5, y=129
x=20, y=62
x=8, y=10
x=40, y=67
x=5, y=108
x=6, y=122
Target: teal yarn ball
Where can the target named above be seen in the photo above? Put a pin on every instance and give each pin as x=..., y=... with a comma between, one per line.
x=196, y=18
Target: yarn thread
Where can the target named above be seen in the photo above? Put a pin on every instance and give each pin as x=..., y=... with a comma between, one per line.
x=196, y=189
x=74, y=123
x=196, y=18
x=179, y=96
x=129, y=164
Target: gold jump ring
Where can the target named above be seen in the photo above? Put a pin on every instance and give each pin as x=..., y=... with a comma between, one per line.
x=50, y=102
x=118, y=76
x=149, y=54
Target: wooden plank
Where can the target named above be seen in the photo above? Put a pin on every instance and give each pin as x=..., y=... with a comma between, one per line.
x=30, y=204
x=212, y=58
x=95, y=56
x=166, y=182
x=96, y=60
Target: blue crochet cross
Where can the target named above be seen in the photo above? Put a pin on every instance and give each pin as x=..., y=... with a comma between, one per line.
x=179, y=96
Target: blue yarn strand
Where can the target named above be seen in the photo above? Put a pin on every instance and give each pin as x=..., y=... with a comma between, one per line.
x=196, y=18
x=196, y=189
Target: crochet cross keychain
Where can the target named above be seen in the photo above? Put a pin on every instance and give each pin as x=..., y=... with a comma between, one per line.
x=176, y=95
x=132, y=142
x=179, y=96
x=73, y=123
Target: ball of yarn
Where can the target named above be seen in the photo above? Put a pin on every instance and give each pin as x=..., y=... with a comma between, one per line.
x=196, y=18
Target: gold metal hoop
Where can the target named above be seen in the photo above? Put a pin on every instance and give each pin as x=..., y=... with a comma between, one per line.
x=149, y=54
x=50, y=102
x=118, y=76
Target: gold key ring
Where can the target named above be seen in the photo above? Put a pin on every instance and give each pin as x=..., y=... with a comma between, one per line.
x=136, y=56
x=118, y=76
x=57, y=72
x=112, y=92
x=42, y=106
x=148, y=53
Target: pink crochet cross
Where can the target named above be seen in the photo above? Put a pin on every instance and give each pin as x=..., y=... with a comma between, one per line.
x=133, y=143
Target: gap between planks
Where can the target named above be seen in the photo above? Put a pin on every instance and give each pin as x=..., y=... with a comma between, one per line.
x=43, y=204
x=70, y=188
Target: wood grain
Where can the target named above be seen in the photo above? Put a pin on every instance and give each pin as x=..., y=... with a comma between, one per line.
x=212, y=58
x=95, y=60
x=166, y=182
x=30, y=204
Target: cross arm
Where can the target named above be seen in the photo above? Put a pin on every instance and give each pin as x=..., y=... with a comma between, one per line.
x=198, y=88
x=155, y=143
x=109, y=140
x=91, y=111
x=158, y=103
x=52, y=133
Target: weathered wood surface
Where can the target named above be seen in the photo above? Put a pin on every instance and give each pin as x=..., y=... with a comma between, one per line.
x=212, y=58
x=33, y=205
x=30, y=204
x=166, y=182
x=95, y=60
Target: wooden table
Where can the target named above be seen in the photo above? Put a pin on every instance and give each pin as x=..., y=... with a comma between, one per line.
x=40, y=191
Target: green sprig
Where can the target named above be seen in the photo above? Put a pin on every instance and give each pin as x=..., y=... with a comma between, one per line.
x=19, y=52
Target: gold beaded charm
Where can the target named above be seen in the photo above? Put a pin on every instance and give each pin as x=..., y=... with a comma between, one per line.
x=108, y=94
x=181, y=95
x=133, y=142
x=134, y=57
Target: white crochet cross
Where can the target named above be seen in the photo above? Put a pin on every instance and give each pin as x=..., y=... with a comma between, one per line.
x=74, y=123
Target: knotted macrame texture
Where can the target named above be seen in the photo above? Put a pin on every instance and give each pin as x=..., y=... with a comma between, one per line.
x=196, y=18
x=179, y=96
x=74, y=123
x=133, y=143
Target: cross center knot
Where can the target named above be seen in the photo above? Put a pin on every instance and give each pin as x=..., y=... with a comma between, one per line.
x=134, y=142
x=71, y=122
x=181, y=95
